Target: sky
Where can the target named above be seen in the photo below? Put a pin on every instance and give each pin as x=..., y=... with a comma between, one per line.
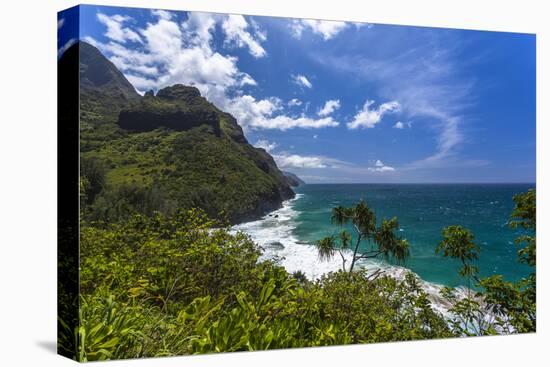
x=340, y=102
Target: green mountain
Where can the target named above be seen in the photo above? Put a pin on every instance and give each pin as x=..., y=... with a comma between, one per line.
x=166, y=151
x=104, y=90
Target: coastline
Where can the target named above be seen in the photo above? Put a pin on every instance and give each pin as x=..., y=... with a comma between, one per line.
x=273, y=233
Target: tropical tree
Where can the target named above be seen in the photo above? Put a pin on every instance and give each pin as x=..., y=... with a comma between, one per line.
x=381, y=241
x=515, y=302
x=92, y=178
x=458, y=243
x=503, y=306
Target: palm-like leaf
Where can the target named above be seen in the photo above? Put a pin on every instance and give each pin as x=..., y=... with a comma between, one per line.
x=340, y=215
x=388, y=243
x=458, y=243
x=400, y=251
x=345, y=239
x=364, y=218
x=385, y=237
x=326, y=248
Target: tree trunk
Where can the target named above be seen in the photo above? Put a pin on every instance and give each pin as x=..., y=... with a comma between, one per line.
x=354, y=258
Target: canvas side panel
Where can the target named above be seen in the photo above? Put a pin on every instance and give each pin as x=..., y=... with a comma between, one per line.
x=68, y=181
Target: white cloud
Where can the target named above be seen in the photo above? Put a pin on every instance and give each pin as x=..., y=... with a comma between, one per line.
x=315, y=136
x=261, y=114
x=199, y=26
x=329, y=107
x=115, y=29
x=266, y=145
x=368, y=118
x=379, y=166
x=235, y=28
x=402, y=125
x=301, y=80
x=60, y=23
x=173, y=52
x=258, y=31
x=327, y=29
x=298, y=161
x=162, y=14
x=181, y=54
x=290, y=160
x=283, y=122
x=247, y=80
x=294, y=102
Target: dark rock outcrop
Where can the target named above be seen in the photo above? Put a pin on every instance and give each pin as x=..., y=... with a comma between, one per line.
x=177, y=108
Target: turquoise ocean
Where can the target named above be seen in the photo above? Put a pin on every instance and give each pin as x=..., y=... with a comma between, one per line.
x=422, y=210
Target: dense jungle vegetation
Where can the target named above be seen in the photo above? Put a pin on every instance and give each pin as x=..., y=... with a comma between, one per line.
x=182, y=284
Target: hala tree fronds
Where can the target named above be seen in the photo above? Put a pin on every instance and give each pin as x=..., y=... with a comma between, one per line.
x=385, y=236
x=345, y=239
x=401, y=251
x=518, y=300
x=525, y=216
x=528, y=254
x=345, y=242
x=389, y=244
x=525, y=212
x=341, y=215
x=458, y=243
x=512, y=304
x=363, y=220
x=326, y=248
x=468, y=271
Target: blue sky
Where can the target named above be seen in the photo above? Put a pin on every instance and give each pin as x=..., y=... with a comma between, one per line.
x=341, y=102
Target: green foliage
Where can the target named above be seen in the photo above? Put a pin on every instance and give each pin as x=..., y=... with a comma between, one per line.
x=470, y=315
x=92, y=178
x=181, y=284
x=389, y=244
x=107, y=328
x=525, y=211
x=381, y=310
x=123, y=201
x=525, y=216
x=173, y=150
x=458, y=243
x=502, y=306
x=363, y=221
x=185, y=169
x=515, y=303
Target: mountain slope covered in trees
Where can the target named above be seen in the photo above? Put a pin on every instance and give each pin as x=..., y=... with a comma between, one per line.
x=173, y=150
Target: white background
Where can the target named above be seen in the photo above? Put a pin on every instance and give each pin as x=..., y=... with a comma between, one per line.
x=28, y=181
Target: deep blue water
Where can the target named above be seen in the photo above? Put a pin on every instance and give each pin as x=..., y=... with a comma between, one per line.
x=423, y=210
